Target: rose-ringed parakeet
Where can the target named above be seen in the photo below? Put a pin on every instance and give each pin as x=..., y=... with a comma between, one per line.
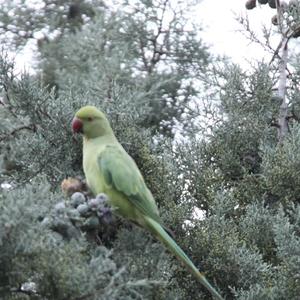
x=109, y=169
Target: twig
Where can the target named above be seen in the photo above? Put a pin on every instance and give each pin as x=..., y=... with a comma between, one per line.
x=13, y=132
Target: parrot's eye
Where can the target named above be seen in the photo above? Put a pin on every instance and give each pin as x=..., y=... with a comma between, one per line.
x=90, y=119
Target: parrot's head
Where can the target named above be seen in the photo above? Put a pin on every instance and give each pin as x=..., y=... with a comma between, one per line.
x=91, y=122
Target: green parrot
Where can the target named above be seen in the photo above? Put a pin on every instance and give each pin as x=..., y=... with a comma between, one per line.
x=109, y=169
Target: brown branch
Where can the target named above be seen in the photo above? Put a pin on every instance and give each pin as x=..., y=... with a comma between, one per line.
x=282, y=119
x=9, y=106
x=16, y=130
x=157, y=53
x=144, y=59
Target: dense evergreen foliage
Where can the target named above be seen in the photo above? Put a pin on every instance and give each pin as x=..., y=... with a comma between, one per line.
x=144, y=65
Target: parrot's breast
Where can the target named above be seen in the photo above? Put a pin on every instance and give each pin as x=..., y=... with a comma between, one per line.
x=91, y=152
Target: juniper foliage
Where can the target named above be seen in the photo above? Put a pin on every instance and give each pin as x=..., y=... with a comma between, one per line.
x=245, y=183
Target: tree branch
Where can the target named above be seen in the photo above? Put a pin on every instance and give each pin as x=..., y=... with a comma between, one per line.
x=283, y=110
x=13, y=132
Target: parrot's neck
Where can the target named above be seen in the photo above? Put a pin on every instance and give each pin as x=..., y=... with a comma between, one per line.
x=104, y=139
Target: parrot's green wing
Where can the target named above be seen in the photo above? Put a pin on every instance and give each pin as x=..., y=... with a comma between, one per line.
x=120, y=171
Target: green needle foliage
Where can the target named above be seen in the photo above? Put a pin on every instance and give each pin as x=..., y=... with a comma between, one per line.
x=145, y=66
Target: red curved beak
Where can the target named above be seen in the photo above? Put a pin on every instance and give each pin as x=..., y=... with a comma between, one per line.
x=77, y=125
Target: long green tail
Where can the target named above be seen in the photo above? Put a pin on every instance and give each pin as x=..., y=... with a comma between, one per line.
x=163, y=236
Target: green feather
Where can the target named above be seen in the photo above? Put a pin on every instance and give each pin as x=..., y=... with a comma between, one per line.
x=110, y=170
x=121, y=172
x=164, y=237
